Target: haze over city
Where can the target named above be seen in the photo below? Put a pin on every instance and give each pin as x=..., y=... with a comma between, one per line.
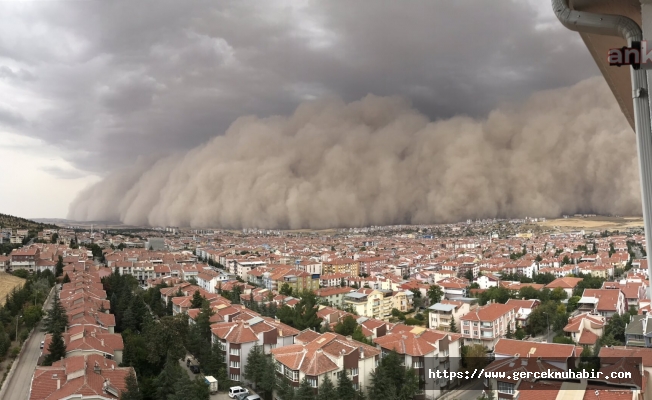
x=305, y=115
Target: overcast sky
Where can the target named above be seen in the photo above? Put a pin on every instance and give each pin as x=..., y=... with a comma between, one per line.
x=89, y=86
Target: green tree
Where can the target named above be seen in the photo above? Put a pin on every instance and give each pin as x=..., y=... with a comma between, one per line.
x=131, y=392
x=435, y=294
x=66, y=279
x=327, y=391
x=254, y=369
x=410, y=385
x=305, y=391
x=345, y=389
x=56, y=319
x=303, y=315
x=346, y=326
x=453, y=327
x=197, y=300
x=56, y=349
x=58, y=270
x=166, y=380
x=286, y=289
x=381, y=387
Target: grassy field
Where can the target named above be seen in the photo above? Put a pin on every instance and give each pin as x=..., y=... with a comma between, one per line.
x=593, y=223
x=7, y=283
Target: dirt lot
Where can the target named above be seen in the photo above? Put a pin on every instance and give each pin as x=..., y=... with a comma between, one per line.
x=591, y=223
x=7, y=283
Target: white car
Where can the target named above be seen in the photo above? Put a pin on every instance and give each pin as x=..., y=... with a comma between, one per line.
x=236, y=390
x=42, y=344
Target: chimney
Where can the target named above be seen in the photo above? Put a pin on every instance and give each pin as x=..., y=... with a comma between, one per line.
x=102, y=341
x=349, y=338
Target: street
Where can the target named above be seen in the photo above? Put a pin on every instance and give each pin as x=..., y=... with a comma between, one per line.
x=219, y=396
x=17, y=386
x=468, y=392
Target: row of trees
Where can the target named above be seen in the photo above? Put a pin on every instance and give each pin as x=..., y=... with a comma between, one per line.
x=55, y=323
x=152, y=346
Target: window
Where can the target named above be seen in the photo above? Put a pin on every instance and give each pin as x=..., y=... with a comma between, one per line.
x=292, y=374
x=235, y=377
x=475, y=324
x=466, y=323
x=354, y=372
x=377, y=362
x=356, y=386
x=279, y=367
x=312, y=382
x=234, y=364
x=221, y=344
x=466, y=332
x=505, y=387
x=417, y=364
x=234, y=352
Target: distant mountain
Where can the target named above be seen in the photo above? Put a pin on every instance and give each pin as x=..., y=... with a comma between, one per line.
x=9, y=221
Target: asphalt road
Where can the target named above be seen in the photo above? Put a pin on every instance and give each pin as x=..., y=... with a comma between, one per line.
x=17, y=387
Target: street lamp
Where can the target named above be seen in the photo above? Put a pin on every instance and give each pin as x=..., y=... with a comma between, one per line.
x=548, y=323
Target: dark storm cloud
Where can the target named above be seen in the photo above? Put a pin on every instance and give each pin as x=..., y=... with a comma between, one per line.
x=123, y=79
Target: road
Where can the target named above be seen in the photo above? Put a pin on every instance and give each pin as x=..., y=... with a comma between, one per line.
x=468, y=392
x=218, y=396
x=17, y=387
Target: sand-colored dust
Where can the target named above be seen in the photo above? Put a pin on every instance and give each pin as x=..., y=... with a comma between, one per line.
x=593, y=223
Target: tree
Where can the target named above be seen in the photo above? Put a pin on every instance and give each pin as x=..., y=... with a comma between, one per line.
x=56, y=319
x=305, y=391
x=66, y=279
x=58, y=270
x=254, y=369
x=327, y=390
x=197, y=300
x=410, y=385
x=303, y=315
x=435, y=294
x=453, y=327
x=286, y=289
x=381, y=386
x=347, y=326
x=57, y=349
x=469, y=275
x=345, y=389
x=509, y=334
x=166, y=380
x=616, y=328
x=131, y=392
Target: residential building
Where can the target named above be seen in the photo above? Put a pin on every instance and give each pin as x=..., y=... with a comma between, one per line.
x=314, y=356
x=333, y=296
x=84, y=377
x=440, y=314
x=585, y=329
x=346, y=266
x=486, y=325
x=605, y=302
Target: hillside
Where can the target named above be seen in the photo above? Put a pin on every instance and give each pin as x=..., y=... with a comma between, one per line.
x=9, y=221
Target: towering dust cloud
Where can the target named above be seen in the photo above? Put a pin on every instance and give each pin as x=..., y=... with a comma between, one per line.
x=377, y=161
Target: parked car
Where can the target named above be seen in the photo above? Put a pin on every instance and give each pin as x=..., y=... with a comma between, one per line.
x=253, y=397
x=42, y=344
x=194, y=369
x=236, y=390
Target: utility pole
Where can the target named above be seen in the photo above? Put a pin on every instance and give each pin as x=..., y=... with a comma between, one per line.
x=18, y=317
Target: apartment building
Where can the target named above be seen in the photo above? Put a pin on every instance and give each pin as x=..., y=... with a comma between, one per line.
x=333, y=296
x=374, y=303
x=605, y=302
x=347, y=266
x=585, y=329
x=314, y=356
x=24, y=258
x=486, y=325
x=425, y=350
x=441, y=314
x=237, y=338
x=523, y=309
